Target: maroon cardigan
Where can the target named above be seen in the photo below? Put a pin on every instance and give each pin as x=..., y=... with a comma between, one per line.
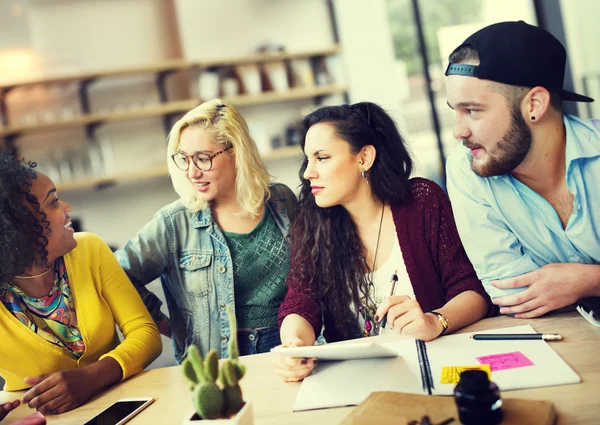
x=435, y=259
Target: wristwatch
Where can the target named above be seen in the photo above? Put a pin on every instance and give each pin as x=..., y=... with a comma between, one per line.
x=443, y=320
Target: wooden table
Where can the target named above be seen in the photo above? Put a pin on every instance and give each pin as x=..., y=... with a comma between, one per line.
x=272, y=399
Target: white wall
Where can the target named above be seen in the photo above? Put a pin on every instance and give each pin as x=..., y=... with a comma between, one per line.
x=96, y=34
x=580, y=19
x=15, y=34
x=231, y=28
x=368, y=52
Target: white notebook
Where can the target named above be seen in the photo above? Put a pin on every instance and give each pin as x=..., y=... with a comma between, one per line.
x=518, y=364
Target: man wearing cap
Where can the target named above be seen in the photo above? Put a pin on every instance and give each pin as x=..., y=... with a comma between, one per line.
x=525, y=181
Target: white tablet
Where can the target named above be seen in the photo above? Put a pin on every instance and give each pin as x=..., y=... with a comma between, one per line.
x=362, y=350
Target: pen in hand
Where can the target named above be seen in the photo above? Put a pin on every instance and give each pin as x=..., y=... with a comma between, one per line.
x=393, y=282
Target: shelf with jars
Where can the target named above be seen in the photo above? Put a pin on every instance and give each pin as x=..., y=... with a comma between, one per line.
x=174, y=107
x=48, y=117
x=43, y=106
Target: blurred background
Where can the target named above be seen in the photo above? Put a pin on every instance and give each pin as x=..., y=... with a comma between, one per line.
x=90, y=88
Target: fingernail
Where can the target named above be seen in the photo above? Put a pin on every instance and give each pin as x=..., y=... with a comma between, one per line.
x=304, y=361
x=376, y=318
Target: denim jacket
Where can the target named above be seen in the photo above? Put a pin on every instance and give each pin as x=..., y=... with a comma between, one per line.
x=190, y=255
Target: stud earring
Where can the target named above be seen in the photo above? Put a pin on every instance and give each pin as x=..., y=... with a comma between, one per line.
x=532, y=118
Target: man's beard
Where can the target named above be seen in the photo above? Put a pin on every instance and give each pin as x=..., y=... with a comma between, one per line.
x=509, y=152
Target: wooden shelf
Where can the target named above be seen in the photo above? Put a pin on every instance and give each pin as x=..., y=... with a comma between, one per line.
x=176, y=107
x=153, y=111
x=55, y=125
x=285, y=152
x=291, y=94
x=168, y=108
x=270, y=57
x=149, y=112
x=158, y=171
x=171, y=65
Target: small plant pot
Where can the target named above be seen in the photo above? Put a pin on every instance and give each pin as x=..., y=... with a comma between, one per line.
x=243, y=417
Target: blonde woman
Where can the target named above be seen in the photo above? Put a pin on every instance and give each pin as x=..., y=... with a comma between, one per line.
x=223, y=243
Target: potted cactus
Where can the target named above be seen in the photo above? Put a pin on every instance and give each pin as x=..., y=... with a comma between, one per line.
x=222, y=404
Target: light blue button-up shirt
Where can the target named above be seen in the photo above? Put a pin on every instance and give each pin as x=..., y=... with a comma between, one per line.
x=508, y=229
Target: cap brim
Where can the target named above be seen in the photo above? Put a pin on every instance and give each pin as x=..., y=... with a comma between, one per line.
x=569, y=96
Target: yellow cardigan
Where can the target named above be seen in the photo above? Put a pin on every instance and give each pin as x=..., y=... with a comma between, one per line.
x=103, y=297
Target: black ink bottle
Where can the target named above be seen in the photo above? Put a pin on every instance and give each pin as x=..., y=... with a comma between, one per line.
x=477, y=399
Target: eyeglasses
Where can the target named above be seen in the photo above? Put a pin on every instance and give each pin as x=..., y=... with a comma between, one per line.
x=201, y=160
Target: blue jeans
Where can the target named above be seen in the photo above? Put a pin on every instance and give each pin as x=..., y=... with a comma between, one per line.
x=259, y=341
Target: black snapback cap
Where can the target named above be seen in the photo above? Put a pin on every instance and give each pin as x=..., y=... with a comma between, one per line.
x=518, y=54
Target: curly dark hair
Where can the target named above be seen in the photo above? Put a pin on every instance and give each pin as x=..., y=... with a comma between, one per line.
x=327, y=254
x=22, y=240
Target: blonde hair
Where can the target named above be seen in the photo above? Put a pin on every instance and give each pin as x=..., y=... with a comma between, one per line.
x=228, y=128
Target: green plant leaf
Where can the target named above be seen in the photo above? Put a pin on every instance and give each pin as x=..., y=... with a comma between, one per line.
x=241, y=370
x=233, y=400
x=208, y=401
x=230, y=374
x=211, y=365
x=233, y=347
x=188, y=371
x=196, y=360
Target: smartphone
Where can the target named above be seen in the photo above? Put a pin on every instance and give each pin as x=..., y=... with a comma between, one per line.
x=121, y=411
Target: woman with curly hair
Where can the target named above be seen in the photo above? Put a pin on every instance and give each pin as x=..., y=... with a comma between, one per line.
x=61, y=295
x=361, y=220
x=223, y=243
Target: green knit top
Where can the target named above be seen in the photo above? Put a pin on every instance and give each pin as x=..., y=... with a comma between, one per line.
x=261, y=262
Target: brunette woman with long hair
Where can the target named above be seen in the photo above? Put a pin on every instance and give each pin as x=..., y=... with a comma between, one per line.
x=362, y=220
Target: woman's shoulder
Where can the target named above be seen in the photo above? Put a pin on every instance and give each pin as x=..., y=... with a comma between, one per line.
x=425, y=195
x=89, y=246
x=425, y=189
x=177, y=216
x=281, y=190
x=284, y=196
x=175, y=208
x=88, y=240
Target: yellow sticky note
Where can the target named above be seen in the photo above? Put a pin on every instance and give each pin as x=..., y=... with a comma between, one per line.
x=451, y=374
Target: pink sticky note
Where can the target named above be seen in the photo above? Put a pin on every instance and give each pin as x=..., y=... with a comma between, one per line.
x=505, y=361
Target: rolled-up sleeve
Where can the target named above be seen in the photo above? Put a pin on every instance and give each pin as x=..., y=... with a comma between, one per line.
x=144, y=259
x=142, y=343
x=299, y=301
